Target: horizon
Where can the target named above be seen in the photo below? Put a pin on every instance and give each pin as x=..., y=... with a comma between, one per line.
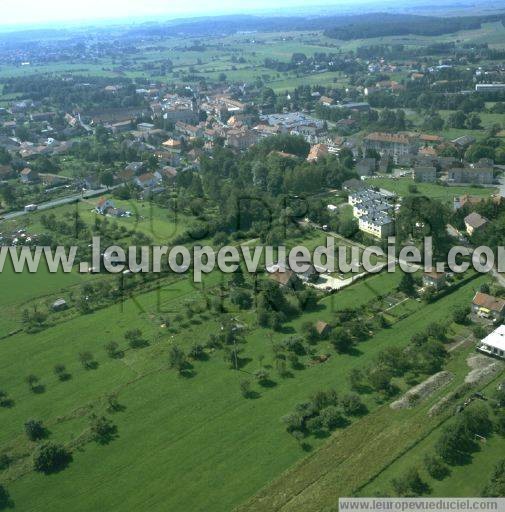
x=55, y=13
x=58, y=11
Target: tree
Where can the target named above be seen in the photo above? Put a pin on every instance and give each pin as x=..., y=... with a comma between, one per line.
x=113, y=404
x=245, y=388
x=437, y=331
x=33, y=382
x=460, y=315
x=356, y=379
x=457, y=120
x=262, y=376
x=134, y=338
x=380, y=379
x=61, y=372
x=5, y=401
x=473, y=122
x=35, y=430
x=410, y=484
x=87, y=360
x=407, y=285
x=341, y=340
x=102, y=429
x=352, y=405
x=177, y=358
x=496, y=485
x=452, y=444
x=112, y=349
x=5, y=500
x=50, y=457
x=241, y=298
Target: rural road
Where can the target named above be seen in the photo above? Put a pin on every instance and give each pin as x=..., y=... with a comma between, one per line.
x=58, y=202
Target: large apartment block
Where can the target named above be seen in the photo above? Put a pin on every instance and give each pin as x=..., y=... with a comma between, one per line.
x=477, y=175
x=397, y=146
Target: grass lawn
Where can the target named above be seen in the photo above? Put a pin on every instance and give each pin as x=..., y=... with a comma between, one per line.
x=432, y=190
x=26, y=287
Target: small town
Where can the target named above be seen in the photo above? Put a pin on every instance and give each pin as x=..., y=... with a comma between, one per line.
x=275, y=127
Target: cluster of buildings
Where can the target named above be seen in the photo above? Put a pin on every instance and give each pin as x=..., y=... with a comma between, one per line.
x=374, y=212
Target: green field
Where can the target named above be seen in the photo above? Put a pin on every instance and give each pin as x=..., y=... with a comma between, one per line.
x=434, y=191
x=175, y=433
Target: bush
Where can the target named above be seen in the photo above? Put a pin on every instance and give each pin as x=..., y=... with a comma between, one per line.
x=352, y=405
x=410, y=484
x=331, y=418
x=5, y=461
x=4, y=498
x=435, y=467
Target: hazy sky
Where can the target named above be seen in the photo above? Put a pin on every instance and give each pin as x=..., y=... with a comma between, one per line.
x=43, y=11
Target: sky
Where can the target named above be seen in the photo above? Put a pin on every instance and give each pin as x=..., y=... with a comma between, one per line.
x=25, y=12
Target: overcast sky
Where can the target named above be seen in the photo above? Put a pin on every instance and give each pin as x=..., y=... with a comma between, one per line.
x=44, y=11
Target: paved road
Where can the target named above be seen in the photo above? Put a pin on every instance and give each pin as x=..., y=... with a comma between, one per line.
x=58, y=202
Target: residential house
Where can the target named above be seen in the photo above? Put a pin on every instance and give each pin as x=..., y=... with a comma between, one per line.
x=466, y=199
x=168, y=173
x=322, y=328
x=494, y=343
x=285, y=278
x=28, y=175
x=173, y=146
x=148, y=180
x=434, y=279
x=145, y=127
x=121, y=126
x=474, y=222
x=316, y=152
x=488, y=306
x=104, y=205
x=377, y=224
x=135, y=167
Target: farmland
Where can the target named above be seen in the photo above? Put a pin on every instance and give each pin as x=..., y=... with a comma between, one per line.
x=197, y=435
